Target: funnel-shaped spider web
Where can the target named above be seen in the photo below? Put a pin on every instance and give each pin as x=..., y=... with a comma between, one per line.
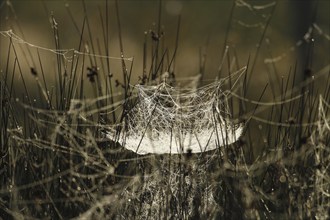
x=171, y=120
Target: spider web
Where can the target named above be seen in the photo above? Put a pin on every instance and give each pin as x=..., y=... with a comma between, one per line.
x=67, y=54
x=163, y=119
x=321, y=196
x=169, y=120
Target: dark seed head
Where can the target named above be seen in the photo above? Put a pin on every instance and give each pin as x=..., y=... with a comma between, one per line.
x=92, y=72
x=189, y=153
x=33, y=71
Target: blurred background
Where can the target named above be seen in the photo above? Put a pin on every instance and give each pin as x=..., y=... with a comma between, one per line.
x=205, y=26
x=282, y=42
x=53, y=52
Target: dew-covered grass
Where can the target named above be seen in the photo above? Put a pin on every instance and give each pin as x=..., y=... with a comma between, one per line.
x=98, y=130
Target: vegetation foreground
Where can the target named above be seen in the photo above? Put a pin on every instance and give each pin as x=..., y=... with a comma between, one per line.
x=92, y=137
